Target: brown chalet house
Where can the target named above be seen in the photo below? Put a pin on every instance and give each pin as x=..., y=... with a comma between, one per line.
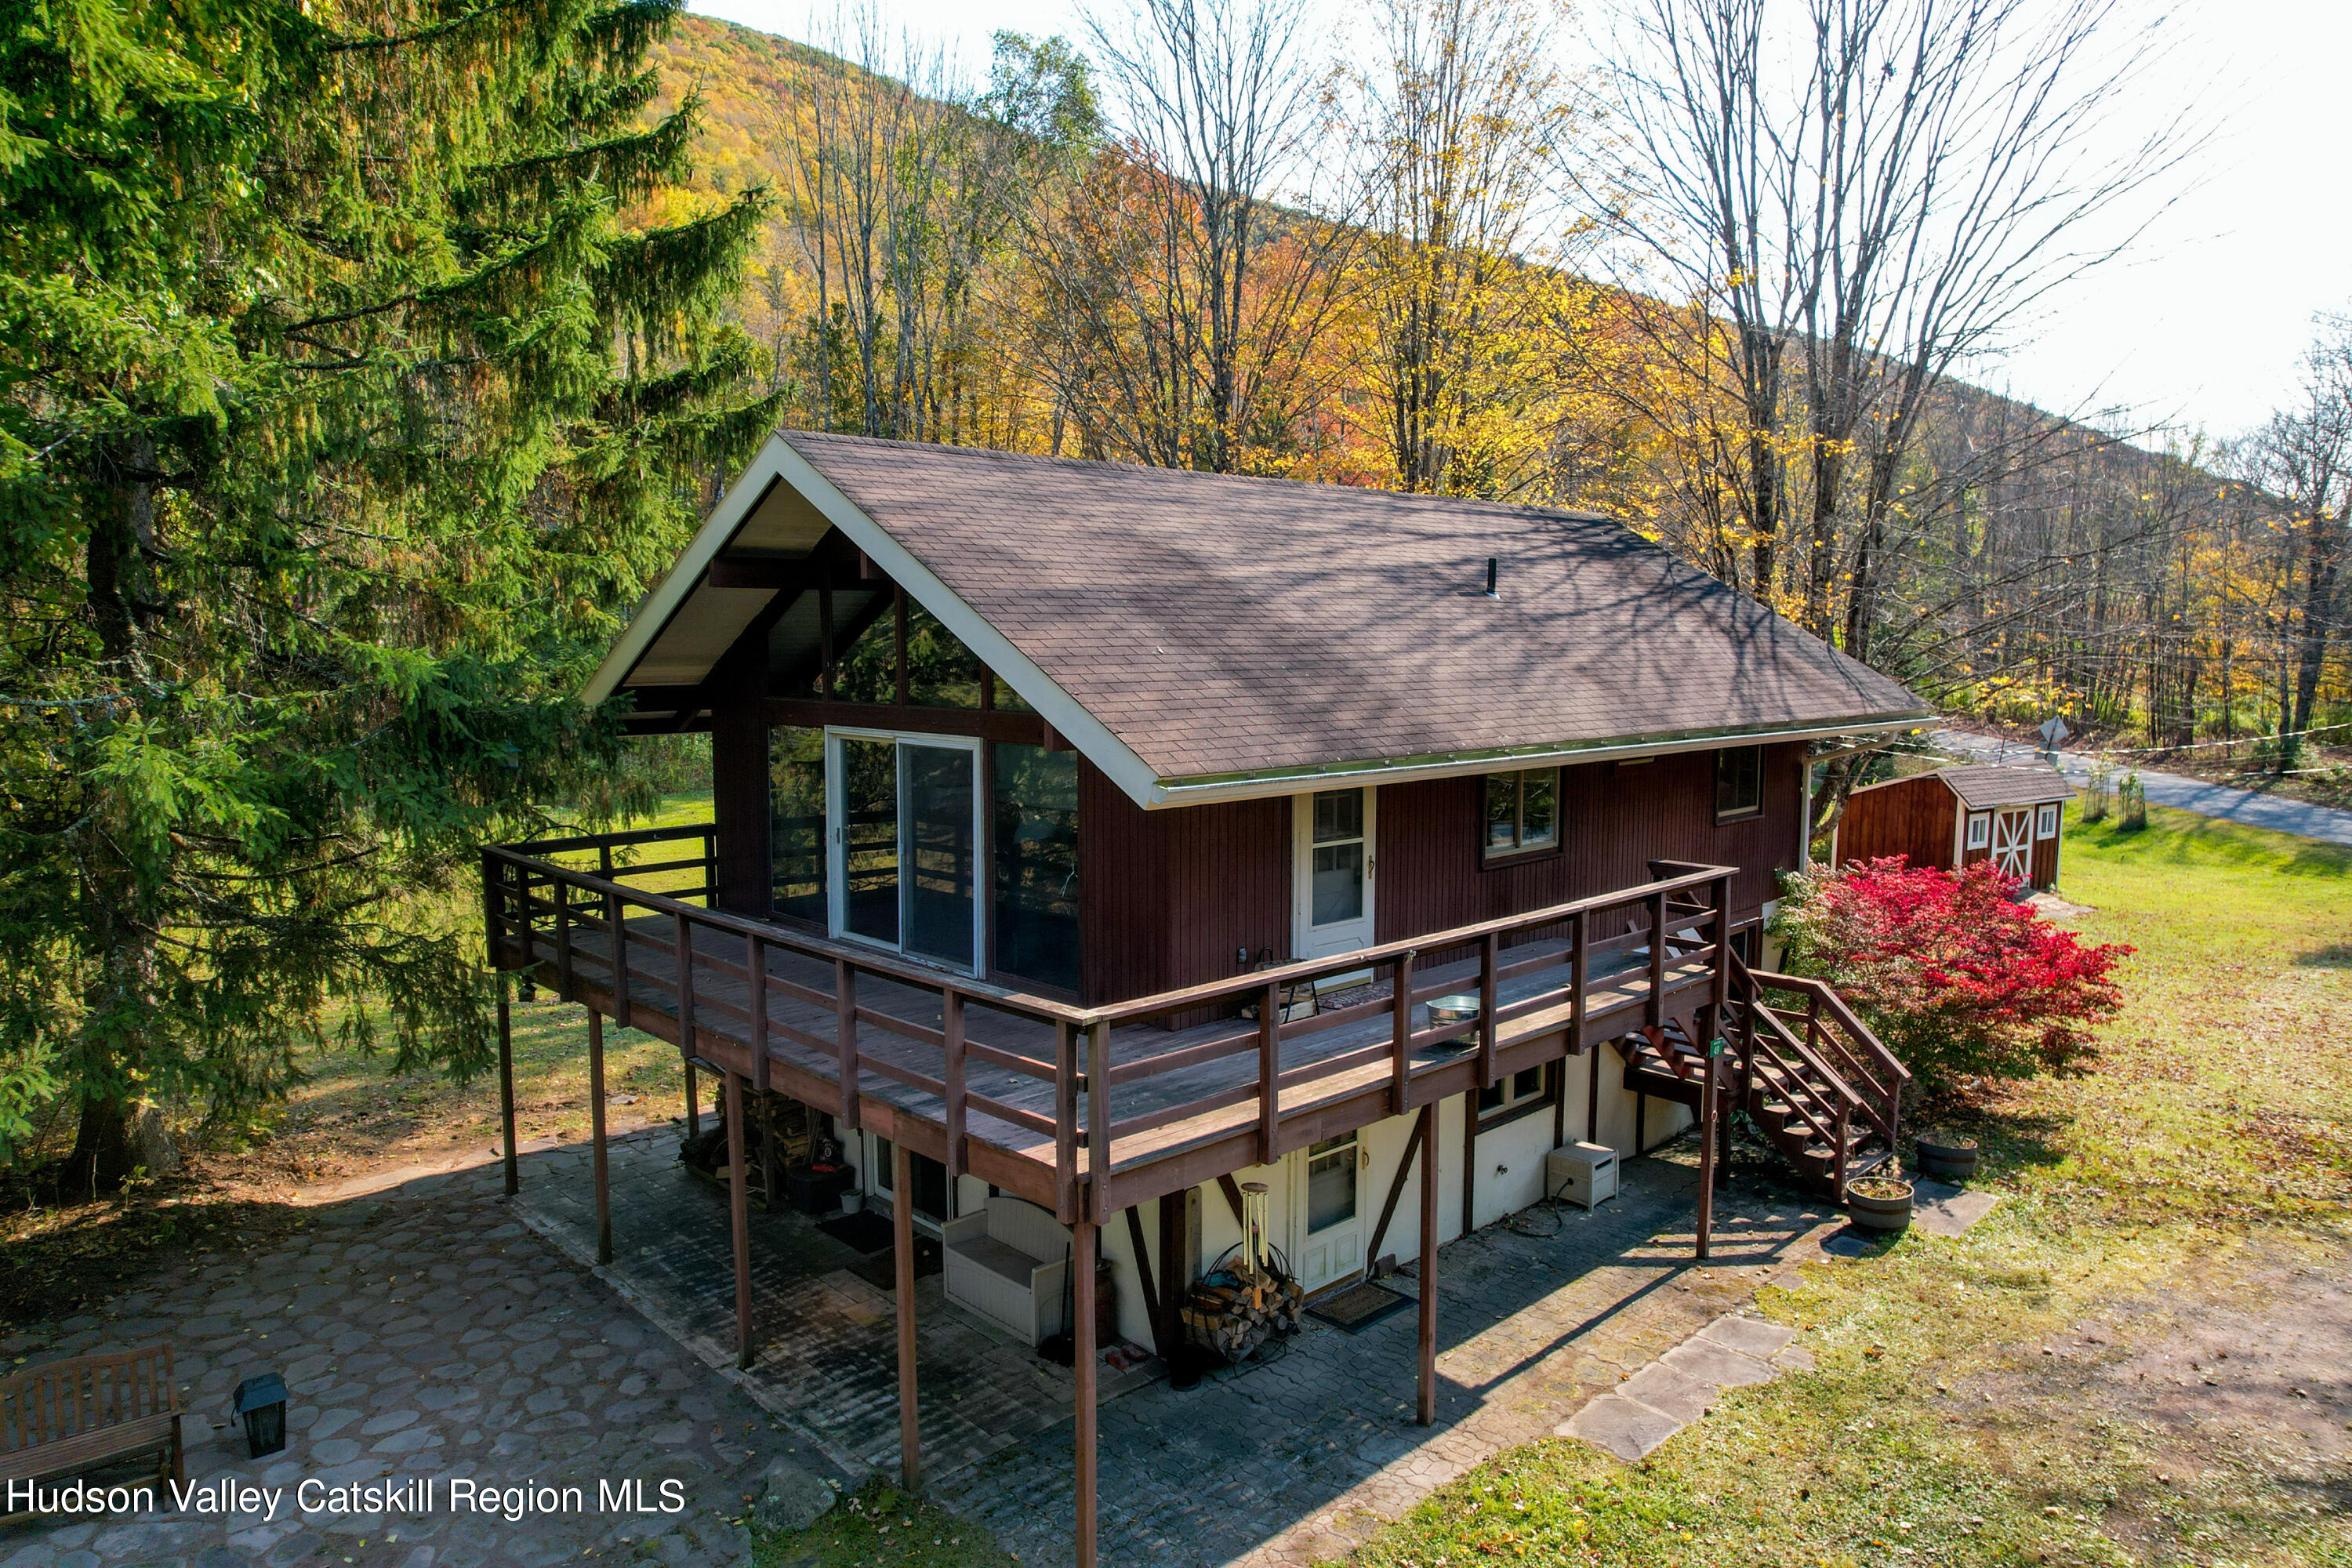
x=1092, y=842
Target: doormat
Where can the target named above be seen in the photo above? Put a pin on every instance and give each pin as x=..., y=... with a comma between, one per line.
x=881, y=1271
x=865, y=1230
x=1359, y=1307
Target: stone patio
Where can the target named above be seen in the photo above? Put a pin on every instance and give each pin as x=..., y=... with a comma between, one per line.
x=438, y=1329
x=826, y=1342
x=426, y=1333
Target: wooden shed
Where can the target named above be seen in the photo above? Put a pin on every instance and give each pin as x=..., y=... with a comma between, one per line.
x=1954, y=816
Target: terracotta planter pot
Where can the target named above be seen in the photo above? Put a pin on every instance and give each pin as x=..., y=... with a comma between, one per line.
x=1952, y=1161
x=1889, y=1214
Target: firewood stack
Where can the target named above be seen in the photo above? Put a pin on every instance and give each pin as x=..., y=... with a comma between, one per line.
x=1234, y=1310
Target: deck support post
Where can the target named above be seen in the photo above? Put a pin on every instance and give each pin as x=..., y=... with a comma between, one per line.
x=596, y=1136
x=739, y=1214
x=1175, y=1279
x=505, y=1088
x=1592, y=1100
x=1710, y=1114
x=902, y=1244
x=1084, y=1238
x=771, y=1169
x=1469, y=1161
x=693, y=1103
x=1427, y=1407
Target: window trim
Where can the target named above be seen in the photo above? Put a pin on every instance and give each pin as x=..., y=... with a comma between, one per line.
x=1490, y=856
x=2053, y=813
x=1978, y=835
x=1555, y=1075
x=1739, y=814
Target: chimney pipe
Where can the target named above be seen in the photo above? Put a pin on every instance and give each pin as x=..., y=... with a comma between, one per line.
x=1490, y=579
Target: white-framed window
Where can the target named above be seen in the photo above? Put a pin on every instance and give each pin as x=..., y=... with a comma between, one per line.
x=1522, y=812
x=1980, y=829
x=1509, y=1093
x=2045, y=822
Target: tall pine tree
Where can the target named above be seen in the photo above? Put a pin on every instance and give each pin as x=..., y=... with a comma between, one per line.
x=358, y=364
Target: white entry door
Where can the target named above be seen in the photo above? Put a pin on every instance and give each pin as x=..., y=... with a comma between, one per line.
x=1327, y=1182
x=1332, y=895
x=2012, y=843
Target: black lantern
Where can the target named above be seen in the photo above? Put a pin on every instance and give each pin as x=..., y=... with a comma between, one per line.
x=261, y=1403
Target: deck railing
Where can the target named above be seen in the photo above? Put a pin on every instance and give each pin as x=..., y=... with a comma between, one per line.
x=540, y=897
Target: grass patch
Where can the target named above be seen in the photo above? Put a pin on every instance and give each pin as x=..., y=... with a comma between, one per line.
x=2031, y=1392
x=879, y=1524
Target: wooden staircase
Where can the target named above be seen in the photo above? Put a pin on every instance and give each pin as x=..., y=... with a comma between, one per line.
x=1811, y=1075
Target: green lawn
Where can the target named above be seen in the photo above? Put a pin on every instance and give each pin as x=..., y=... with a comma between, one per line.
x=1989, y=1400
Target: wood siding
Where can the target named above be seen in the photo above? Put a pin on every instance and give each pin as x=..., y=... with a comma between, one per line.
x=1916, y=817
x=739, y=776
x=2045, y=854
x=1173, y=897
x=1169, y=898
x=1614, y=820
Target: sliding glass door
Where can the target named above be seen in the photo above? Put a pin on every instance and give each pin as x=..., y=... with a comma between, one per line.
x=906, y=845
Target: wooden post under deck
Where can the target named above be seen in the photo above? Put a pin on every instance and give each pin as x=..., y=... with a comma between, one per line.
x=902, y=1244
x=1469, y=1161
x=506, y=1088
x=739, y=1214
x=596, y=1136
x=693, y=1103
x=1709, y=1114
x=1427, y=1409
x=1175, y=1278
x=1083, y=1241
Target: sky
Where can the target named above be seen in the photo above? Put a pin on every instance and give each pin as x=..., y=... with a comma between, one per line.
x=2200, y=324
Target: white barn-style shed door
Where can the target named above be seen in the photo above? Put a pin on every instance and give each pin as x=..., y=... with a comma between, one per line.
x=2013, y=843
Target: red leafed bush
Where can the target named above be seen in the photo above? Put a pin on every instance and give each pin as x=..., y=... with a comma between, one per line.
x=1956, y=979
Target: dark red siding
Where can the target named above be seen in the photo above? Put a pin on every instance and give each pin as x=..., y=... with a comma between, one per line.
x=1175, y=898
x=1122, y=893
x=1615, y=819
x=1171, y=897
x=738, y=782
x=1915, y=817
x=2045, y=854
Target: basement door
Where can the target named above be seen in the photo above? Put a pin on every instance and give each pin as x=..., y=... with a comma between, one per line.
x=1331, y=897
x=905, y=819
x=1327, y=1185
x=2012, y=843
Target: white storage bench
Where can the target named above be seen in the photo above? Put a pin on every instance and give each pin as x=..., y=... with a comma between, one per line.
x=1006, y=1262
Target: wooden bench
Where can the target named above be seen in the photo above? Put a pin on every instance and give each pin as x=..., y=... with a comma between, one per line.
x=71, y=1415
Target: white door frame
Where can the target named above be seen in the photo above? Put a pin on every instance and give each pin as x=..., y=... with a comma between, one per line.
x=836, y=846
x=1306, y=940
x=1346, y=1238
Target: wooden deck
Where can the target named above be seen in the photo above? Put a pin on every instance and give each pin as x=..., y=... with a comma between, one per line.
x=1013, y=1087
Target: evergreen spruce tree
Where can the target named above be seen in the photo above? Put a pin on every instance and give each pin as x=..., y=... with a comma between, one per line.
x=358, y=364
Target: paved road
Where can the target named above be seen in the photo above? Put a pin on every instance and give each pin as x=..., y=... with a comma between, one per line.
x=2255, y=810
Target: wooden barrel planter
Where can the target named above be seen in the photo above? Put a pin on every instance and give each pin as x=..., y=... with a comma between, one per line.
x=1882, y=1203
x=1950, y=1155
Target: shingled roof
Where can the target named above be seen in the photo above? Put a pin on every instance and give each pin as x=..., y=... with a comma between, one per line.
x=1983, y=786
x=1220, y=628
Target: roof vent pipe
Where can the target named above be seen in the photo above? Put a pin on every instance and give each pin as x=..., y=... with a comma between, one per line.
x=1490, y=579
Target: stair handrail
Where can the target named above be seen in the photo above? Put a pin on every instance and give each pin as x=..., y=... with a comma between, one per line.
x=1806, y=1054
x=1826, y=994
x=1884, y=1105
